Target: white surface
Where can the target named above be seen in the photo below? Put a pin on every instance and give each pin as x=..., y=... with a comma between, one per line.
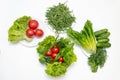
x=20, y=63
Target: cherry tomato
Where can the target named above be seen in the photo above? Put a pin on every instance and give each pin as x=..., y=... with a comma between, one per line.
x=33, y=24
x=60, y=59
x=30, y=33
x=39, y=32
x=49, y=53
x=54, y=55
x=55, y=49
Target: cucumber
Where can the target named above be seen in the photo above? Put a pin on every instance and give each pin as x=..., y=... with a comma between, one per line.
x=103, y=40
x=99, y=32
x=103, y=36
x=103, y=44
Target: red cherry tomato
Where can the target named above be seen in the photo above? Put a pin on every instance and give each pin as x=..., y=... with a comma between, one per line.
x=54, y=55
x=39, y=32
x=33, y=24
x=60, y=59
x=49, y=53
x=55, y=49
x=30, y=33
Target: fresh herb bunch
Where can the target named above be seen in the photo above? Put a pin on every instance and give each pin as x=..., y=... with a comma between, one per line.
x=98, y=59
x=59, y=17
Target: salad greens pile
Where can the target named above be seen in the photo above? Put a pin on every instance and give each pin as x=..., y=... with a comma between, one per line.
x=55, y=68
x=94, y=43
x=59, y=17
x=17, y=31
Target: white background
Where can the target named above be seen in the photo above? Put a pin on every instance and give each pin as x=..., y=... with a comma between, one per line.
x=21, y=63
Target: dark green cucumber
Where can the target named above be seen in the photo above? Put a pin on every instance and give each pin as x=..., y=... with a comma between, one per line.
x=103, y=44
x=99, y=32
x=103, y=40
x=103, y=36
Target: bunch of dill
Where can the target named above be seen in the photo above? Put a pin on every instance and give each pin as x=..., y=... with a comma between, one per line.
x=59, y=17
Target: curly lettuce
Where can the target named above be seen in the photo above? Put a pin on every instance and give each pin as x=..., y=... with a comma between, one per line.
x=17, y=31
x=69, y=58
x=55, y=69
x=43, y=47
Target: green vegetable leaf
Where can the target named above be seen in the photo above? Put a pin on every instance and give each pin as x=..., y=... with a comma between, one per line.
x=86, y=38
x=69, y=58
x=44, y=59
x=62, y=42
x=64, y=51
x=17, y=31
x=43, y=47
x=55, y=69
x=46, y=44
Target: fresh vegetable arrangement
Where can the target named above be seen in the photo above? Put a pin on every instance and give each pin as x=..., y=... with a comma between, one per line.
x=24, y=28
x=57, y=54
x=94, y=43
x=59, y=17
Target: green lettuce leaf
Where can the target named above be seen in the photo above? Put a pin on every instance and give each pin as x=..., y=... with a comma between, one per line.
x=17, y=31
x=85, y=38
x=55, y=69
x=43, y=47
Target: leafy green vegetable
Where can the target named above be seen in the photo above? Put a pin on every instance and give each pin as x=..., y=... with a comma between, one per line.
x=55, y=69
x=46, y=44
x=62, y=42
x=17, y=31
x=69, y=58
x=98, y=59
x=43, y=47
x=59, y=17
x=66, y=51
x=85, y=38
x=44, y=59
